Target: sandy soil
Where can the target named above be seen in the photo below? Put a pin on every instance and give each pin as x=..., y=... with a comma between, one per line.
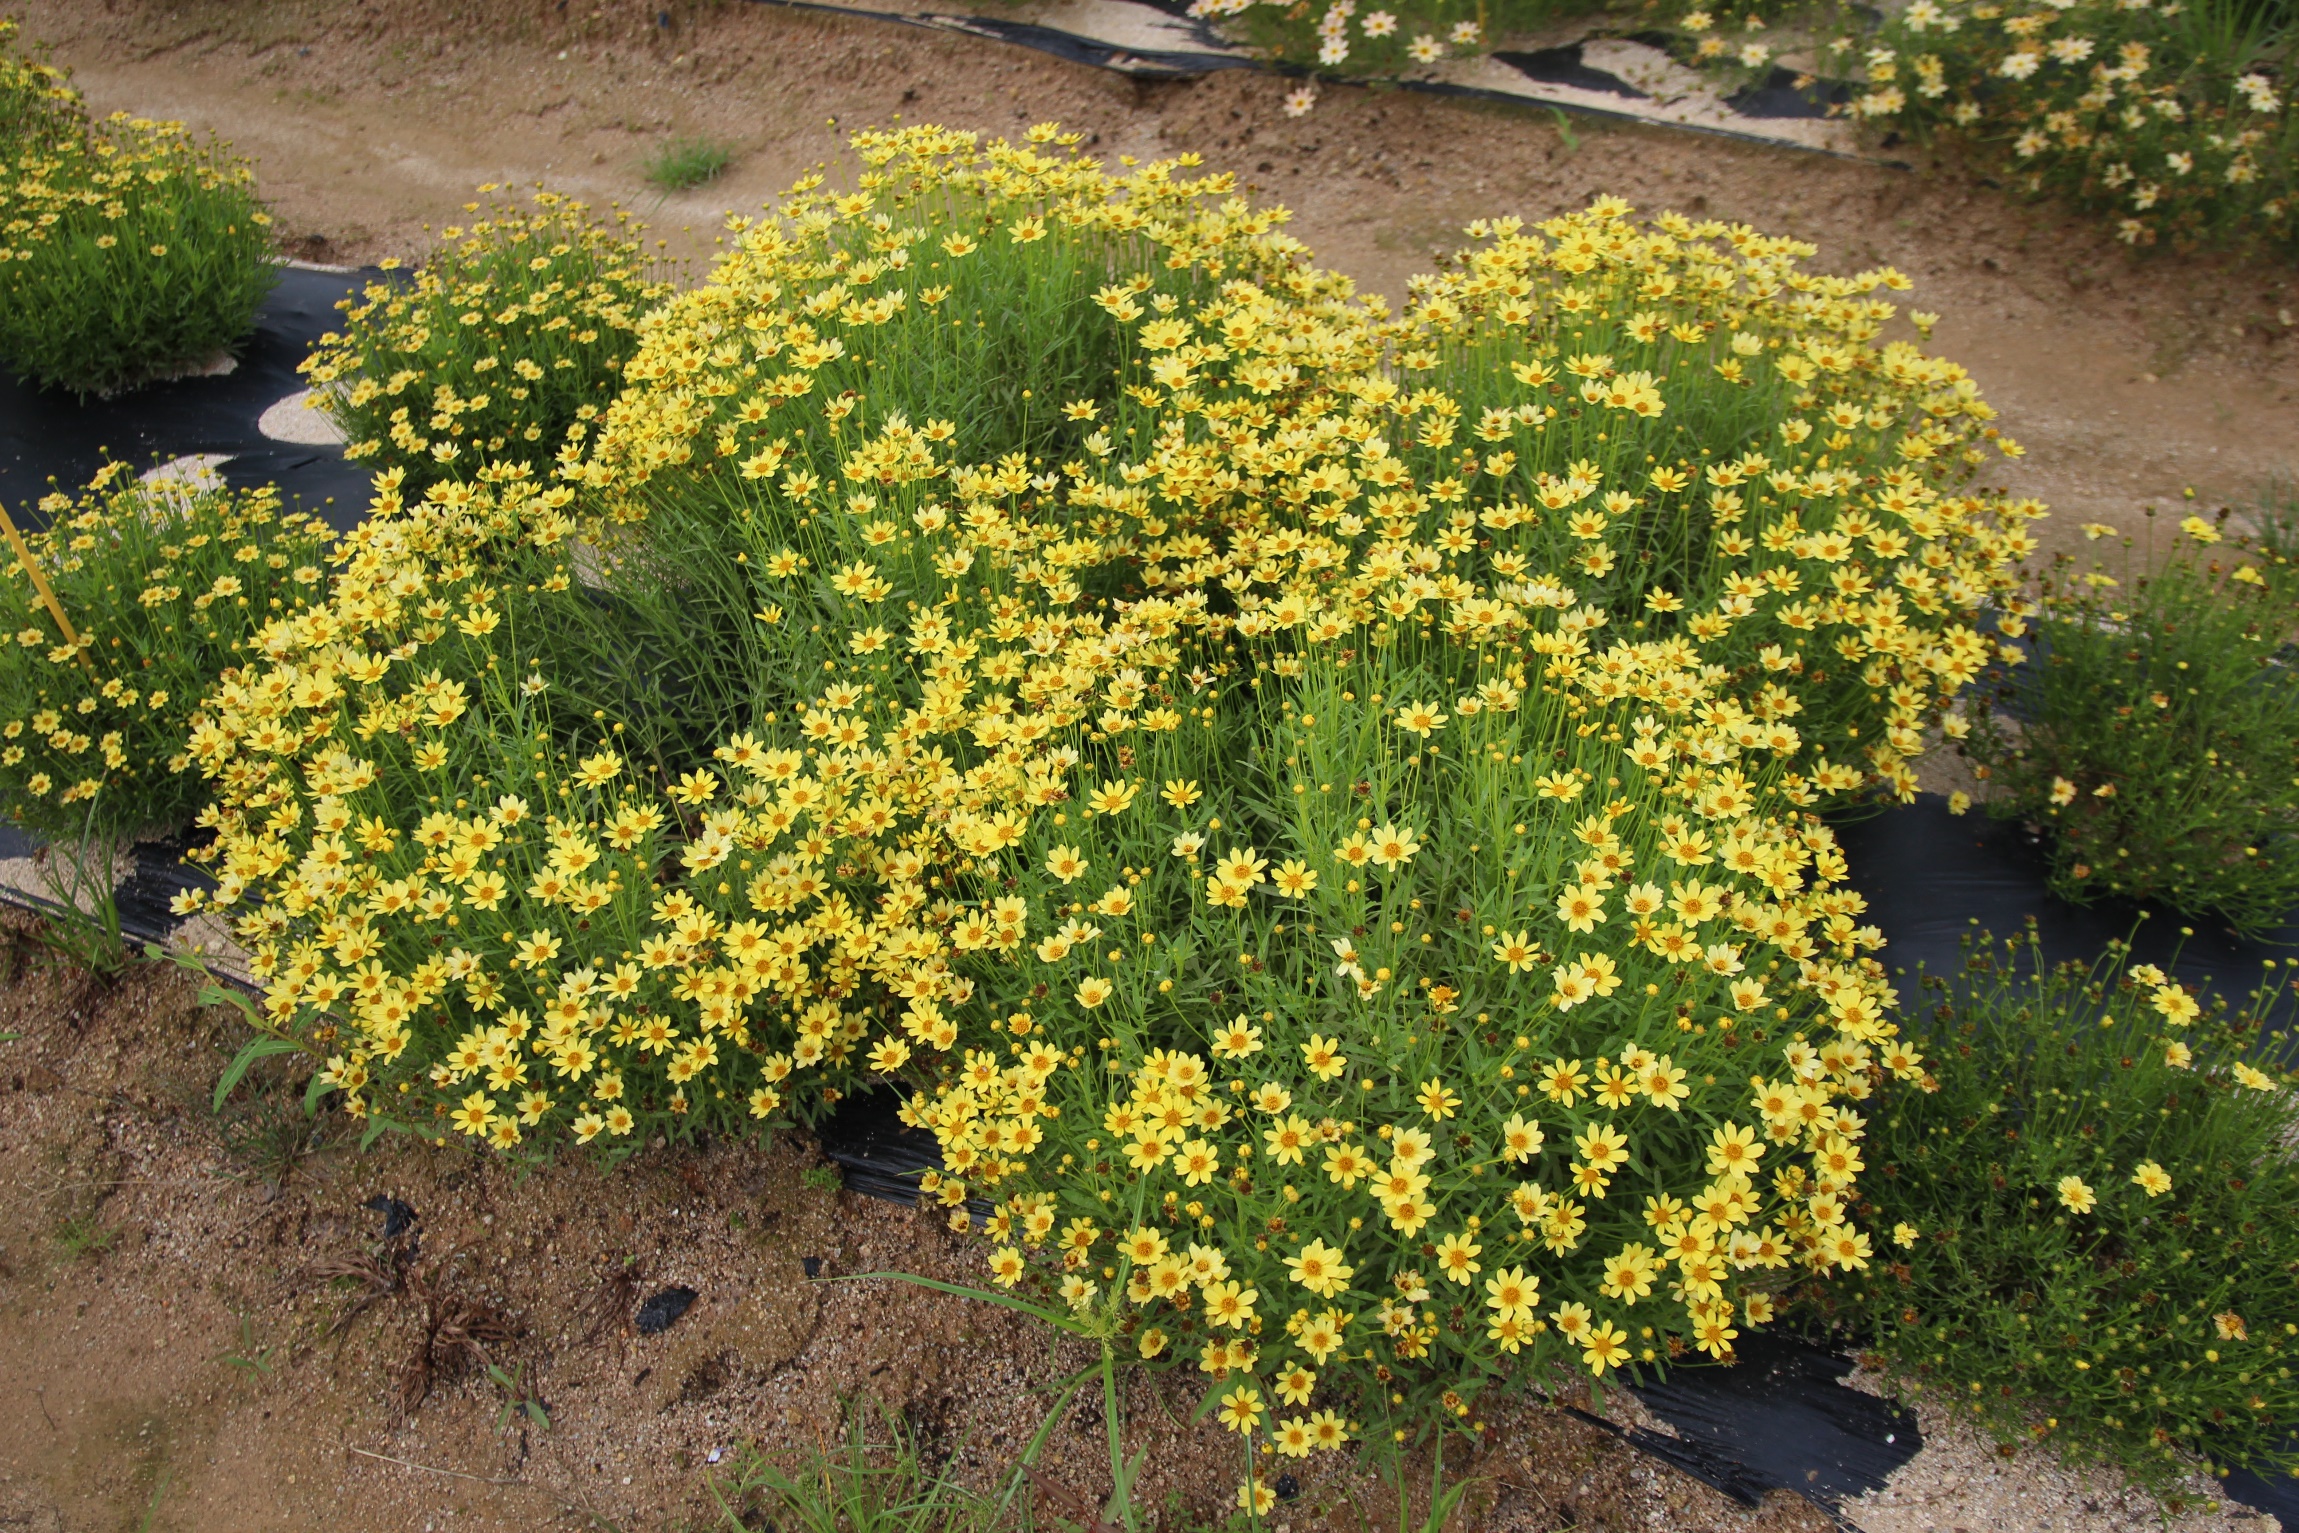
x=2130, y=378
x=202, y=1326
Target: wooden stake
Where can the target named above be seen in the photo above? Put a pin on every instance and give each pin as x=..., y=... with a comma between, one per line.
x=47, y=595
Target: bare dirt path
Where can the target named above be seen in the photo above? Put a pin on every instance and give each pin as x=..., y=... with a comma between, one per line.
x=2129, y=378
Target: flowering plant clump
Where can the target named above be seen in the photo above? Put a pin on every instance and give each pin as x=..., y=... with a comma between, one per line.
x=512, y=331
x=2088, y=1213
x=1391, y=38
x=1307, y=806
x=161, y=588
x=2156, y=736
x=2172, y=118
x=126, y=251
x=38, y=103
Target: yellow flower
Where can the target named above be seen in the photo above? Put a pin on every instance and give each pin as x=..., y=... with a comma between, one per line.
x=1229, y=1304
x=1521, y=1137
x=2075, y=1196
x=1394, y=846
x=1605, y=1347
x=475, y=1114
x=1517, y=953
x=1323, y=1056
x=1629, y=1273
x=1457, y=1258
x=1093, y=990
x=1437, y=1100
x=1423, y=719
x=2176, y=1005
x=1580, y=909
x=1320, y=1269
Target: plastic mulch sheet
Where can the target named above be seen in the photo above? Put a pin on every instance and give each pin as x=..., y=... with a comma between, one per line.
x=52, y=440
x=1933, y=879
x=1630, y=79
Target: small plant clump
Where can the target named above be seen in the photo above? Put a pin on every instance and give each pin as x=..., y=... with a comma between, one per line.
x=38, y=104
x=2173, y=119
x=514, y=330
x=161, y=590
x=2156, y=734
x=2088, y=1198
x=1401, y=36
x=127, y=248
x=686, y=163
x=1309, y=802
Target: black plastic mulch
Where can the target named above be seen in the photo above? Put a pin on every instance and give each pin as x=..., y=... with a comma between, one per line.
x=51, y=440
x=1928, y=876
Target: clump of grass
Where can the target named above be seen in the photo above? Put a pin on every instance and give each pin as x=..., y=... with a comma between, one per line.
x=2157, y=731
x=874, y=1478
x=2275, y=517
x=686, y=163
x=2088, y=1204
x=81, y=1236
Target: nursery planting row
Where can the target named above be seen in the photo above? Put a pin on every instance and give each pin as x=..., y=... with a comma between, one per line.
x=1316, y=807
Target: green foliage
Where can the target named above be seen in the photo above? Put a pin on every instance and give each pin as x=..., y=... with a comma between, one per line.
x=875, y=1478
x=516, y=328
x=2275, y=518
x=686, y=163
x=37, y=102
x=2157, y=733
x=126, y=251
x=2174, y=119
x=2092, y=1201
x=81, y=1236
x=162, y=587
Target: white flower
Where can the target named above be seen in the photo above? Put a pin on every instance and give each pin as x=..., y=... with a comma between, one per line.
x=1426, y=49
x=2258, y=92
x=1332, y=51
x=1299, y=100
x=2180, y=161
x=2018, y=66
x=2071, y=50
x=1380, y=24
x=1464, y=33
x=1754, y=54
